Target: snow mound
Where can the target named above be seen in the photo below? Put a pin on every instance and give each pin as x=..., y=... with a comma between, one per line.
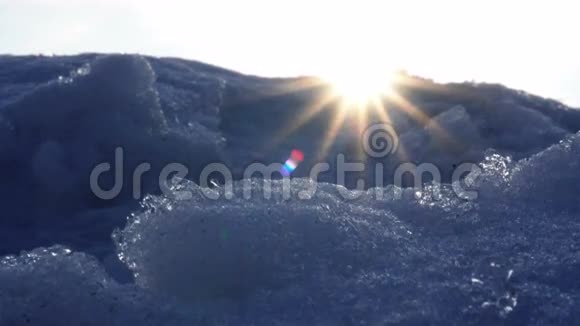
x=385, y=255
x=54, y=286
x=322, y=259
x=54, y=136
x=232, y=248
x=551, y=178
x=328, y=260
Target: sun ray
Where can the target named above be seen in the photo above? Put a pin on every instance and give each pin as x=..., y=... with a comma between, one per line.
x=283, y=86
x=409, y=108
x=440, y=134
x=297, y=84
x=362, y=125
x=380, y=110
x=384, y=117
x=365, y=102
x=330, y=135
x=312, y=110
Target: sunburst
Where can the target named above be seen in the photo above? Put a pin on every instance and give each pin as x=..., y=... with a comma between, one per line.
x=359, y=97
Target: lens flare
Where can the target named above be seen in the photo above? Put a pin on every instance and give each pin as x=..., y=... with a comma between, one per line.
x=296, y=157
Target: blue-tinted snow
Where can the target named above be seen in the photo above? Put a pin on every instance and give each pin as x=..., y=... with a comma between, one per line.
x=510, y=257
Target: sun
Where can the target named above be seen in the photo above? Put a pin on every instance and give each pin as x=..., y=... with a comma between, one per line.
x=357, y=88
x=357, y=96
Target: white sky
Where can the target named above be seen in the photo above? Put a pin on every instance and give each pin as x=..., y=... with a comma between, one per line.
x=532, y=45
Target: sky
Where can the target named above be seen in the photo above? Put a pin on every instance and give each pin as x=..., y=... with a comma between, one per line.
x=529, y=45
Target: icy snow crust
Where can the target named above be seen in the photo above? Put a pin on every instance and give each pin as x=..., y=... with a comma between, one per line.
x=512, y=256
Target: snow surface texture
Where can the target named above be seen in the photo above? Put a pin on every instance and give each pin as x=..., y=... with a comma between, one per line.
x=53, y=137
x=512, y=256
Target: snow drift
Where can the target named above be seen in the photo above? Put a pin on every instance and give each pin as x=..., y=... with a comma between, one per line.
x=510, y=256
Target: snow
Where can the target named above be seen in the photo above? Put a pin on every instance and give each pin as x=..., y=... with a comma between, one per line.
x=60, y=131
x=410, y=256
x=55, y=286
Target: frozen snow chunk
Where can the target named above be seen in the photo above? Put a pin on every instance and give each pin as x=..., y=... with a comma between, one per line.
x=116, y=92
x=204, y=248
x=453, y=130
x=123, y=73
x=414, y=144
x=520, y=130
x=55, y=286
x=447, y=140
x=62, y=130
x=550, y=178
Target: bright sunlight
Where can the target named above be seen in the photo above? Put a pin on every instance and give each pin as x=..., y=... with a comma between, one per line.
x=358, y=88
